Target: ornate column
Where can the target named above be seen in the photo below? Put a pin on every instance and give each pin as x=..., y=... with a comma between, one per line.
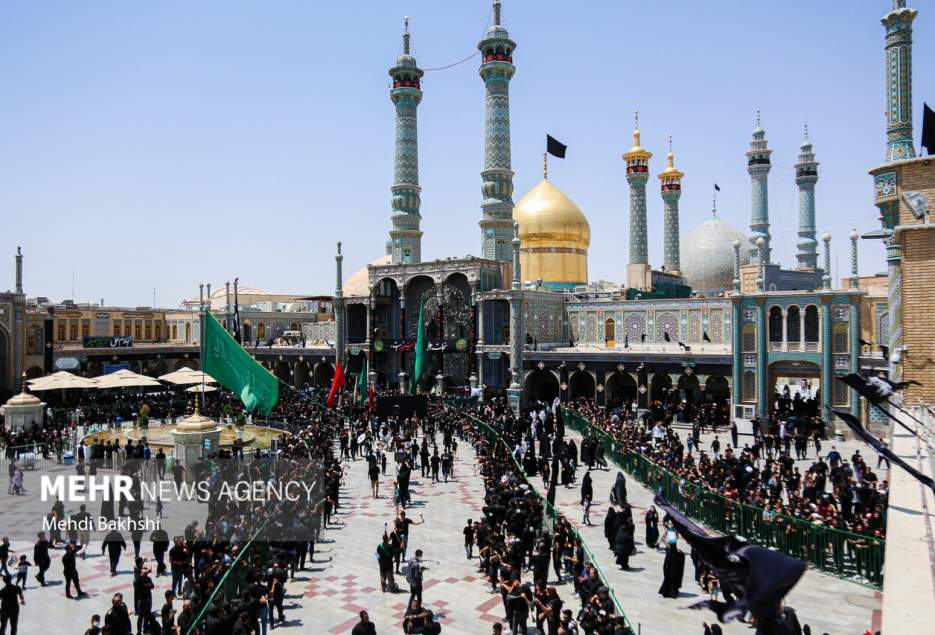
x=19, y=270
x=515, y=391
x=671, y=180
x=898, y=25
x=806, y=176
x=826, y=278
x=406, y=93
x=497, y=70
x=637, y=159
x=785, y=329
x=827, y=363
x=758, y=166
x=340, y=321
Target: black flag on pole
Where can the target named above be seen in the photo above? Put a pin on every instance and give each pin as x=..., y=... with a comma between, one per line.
x=928, y=129
x=881, y=448
x=717, y=188
x=554, y=147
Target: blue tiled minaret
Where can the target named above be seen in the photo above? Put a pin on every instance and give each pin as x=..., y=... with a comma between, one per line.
x=496, y=70
x=405, y=244
x=898, y=24
x=758, y=166
x=671, y=180
x=806, y=175
x=637, y=159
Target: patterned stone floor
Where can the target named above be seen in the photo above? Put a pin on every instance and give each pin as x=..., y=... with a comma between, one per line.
x=827, y=603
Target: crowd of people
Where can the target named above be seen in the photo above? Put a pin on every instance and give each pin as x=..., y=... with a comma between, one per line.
x=833, y=491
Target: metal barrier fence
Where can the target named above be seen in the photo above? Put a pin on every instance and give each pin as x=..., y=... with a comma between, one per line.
x=857, y=557
x=34, y=456
x=552, y=515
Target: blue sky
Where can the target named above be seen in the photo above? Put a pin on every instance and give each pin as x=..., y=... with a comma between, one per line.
x=163, y=144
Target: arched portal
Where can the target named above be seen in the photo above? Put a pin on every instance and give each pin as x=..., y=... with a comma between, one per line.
x=300, y=376
x=659, y=386
x=261, y=331
x=610, y=333
x=323, y=374
x=283, y=372
x=690, y=386
x=34, y=372
x=717, y=388
x=541, y=385
x=247, y=332
x=620, y=388
x=581, y=384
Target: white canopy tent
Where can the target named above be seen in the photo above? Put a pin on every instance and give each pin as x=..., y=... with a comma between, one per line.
x=186, y=376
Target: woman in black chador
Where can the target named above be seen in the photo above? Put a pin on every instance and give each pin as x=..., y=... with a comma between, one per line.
x=610, y=526
x=624, y=544
x=652, y=527
x=672, y=570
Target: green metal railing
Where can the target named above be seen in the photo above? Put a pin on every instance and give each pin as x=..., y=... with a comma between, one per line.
x=553, y=514
x=857, y=557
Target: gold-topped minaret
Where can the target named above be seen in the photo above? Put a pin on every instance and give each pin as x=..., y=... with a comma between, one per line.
x=671, y=183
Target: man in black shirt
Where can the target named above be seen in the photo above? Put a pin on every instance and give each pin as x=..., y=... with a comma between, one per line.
x=168, y=613
x=70, y=567
x=365, y=626
x=143, y=593
x=118, y=617
x=469, y=539
x=40, y=556
x=11, y=597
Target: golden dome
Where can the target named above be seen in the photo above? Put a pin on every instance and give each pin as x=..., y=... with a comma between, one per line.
x=671, y=172
x=554, y=234
x=637, y=151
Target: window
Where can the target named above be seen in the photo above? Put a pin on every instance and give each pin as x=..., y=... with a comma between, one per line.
x=138, y=331
x=116, y=329
x=158, y=332
x=148, y=330
x=794, y=324
x=261, y=331
x=775, y=324
x=61, y=331
x=34, y=341
x=175, y=331
x=749, y=386
x=85, y=330
x=839, y=339
x=748, y=338
x=73, y=331
x=811, y=324
x=610, y=331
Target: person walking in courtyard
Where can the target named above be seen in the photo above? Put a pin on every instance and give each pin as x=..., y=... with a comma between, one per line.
x=11, y=598
x=70, y=571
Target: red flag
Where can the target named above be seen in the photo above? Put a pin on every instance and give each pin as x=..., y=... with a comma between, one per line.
x=372, y=397
x=336, y=384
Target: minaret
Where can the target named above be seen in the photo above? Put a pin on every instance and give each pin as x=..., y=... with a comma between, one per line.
x=671, y=180
x=19, y=269
x=340, y=327
x=758, y=166
x=637, y=159
x=898, y=24
x=806, y=175
x=405, y=244
x=496, y=70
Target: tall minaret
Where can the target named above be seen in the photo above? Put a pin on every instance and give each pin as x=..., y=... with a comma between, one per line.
x=637, y=159
x=806, y=175
x=758, y=166
x=671, y=180
x=19, y=269
x=405, y=244
x=496, y=70
x=898, y=23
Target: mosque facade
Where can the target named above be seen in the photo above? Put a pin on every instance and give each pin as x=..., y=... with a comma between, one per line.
x=720, y=319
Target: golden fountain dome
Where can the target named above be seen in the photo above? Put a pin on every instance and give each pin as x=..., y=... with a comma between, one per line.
x=555, y=236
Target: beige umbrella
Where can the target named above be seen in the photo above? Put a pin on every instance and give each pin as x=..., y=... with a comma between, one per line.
x=201, y=388
x=186, y=376
x=125, y=379
x=61, y=381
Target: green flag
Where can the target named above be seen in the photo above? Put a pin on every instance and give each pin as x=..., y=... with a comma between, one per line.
x=421, y=348
x=362, y=381
x=225, y=360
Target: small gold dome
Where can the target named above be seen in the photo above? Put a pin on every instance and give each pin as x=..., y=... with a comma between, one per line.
x=554, y=234
x=671, y=172
x=637, y=151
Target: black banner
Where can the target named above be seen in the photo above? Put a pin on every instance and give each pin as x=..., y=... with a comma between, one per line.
x=104, y=341
x=435, y=345
x=402, y=406
x=48, y=351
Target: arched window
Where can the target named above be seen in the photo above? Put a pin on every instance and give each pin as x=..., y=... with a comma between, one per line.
x=748, y=338
x=775, y=324
x=812, y=330
x=794, y=324
x=261, y=331
x=749, y=386
x=610, y=332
